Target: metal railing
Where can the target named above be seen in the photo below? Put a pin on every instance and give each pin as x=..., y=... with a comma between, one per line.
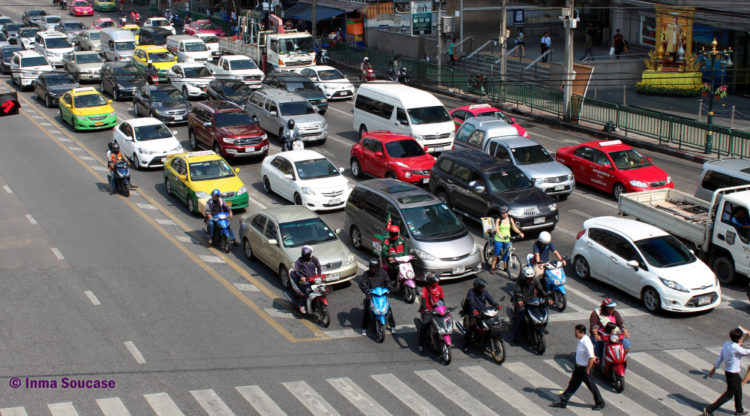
x=509, y=53
x=479, y=49
x=457, y=44
x=534, y=63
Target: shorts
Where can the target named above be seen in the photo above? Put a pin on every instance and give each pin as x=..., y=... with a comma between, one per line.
x=499, y=246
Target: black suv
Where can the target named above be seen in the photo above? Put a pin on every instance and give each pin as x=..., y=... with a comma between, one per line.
x=163, y=102
x=298, y=84
x=121, y=79
x=476, y=185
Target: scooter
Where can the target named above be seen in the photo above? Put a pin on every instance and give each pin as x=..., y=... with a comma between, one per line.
x=478, y=83
x=317, y=303
x=487, y=333
x=379, y=310
x=368, y=75
x=441, y=329
x=135, y=18
x=221, y=237
x=615, y=358
x=536, y=317
x=295, y=144
x=322, y=57
x=123, y=20
x=122, y=177
x=554, y=281
x=406, y=278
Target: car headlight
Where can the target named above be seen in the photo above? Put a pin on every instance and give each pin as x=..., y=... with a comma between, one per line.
x=518, y=212
x=571, y=177
x=638, y=184
x=424, y=255
x=538, y=181
x=147, y=152
x=80, y=118
x=242, y=190
x=53, y=94
x=200, y=194
x=552, y=207
x=349, y=260
x=323, y=100
x=669, y=179
x=407, y=175
x=228, y=140
x=673, y=285
x=349, y=186
x=418, y=137
x=307, y=191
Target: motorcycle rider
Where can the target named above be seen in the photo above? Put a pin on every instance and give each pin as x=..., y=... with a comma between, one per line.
x=306, y=265
x=476, y=299
x=600, y=318
x=214, y=206
x=432, y=293
x=527, y=287
x=394, y=246
x=151, y=70
x=374, y=277
x=290, y=133
x=364, y=67
x=543, y=247
x=503, y=227
x=113, y=156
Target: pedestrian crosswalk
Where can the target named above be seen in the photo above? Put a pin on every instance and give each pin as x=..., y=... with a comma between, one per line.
x=663, y=382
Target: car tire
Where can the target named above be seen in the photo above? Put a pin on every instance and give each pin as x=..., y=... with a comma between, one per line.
x=390, y=175
x=617, y=190
x=723, y=266
x=247, y=249
x=581, y=268
x=167, y=186
x=651, y=299
x=191, y=140
x=267, y=185
x=136, y=162
x=297, y=199
x=284, y=278
x=362, y=131
x=191, y=205
x=135, y=109
x=443, y=196
x=356, y=236
x=115, y=94
x=47, y=101
x=185, y=93
x=356, y=167
x=217, y=149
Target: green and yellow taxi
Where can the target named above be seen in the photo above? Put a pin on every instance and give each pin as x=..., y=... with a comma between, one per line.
x=157, y=55
x=87, y=109
x=191, y=177
x=135, y=29
x=104, y=5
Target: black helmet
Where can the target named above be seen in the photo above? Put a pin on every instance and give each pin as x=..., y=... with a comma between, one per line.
x=480, y=283
x=306, y=253
x=432, y=278
x=374, y=264
x=110, y=144
x=290, y=124
x=115, y=147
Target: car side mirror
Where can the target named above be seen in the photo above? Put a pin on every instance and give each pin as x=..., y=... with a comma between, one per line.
x=174, y=132
x=289, y=177
x=512, y=119
x=634, y=264
x=341, y=170
x=207, y=124
x=236, y=170
x=272, y=113
x=607, y=166
x=476, y=187
x=128, y=138
x=149, y=62
x=272, y=242
x=109, y=101
x=426, y=149
x=378, y=154
x=182, y=177
x=648, y=158
x=337, y=231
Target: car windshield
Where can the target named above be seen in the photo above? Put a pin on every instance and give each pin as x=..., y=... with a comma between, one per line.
x=159, y=37
x=433, y=222
x=305, y=232
x=152, y=132
x=88, y=58
x=664, y=251
x=35, y=13
x=504, y=181
x=159, y=22
x=167, y=95
x=80, y=4
x=629, y=159
x=404, y=148
x=58, y=43
x=160, y=57
x=12, y=27
x=27, y=33
x=209, y=170
x=494, y=113
x=59, y=79
x=315, y=168
x=328, y=74
x=237, y=118
x=208, y=26
x=529, y=155
x=8, y=52
x=195, y=47
x=197, y=72
x=427, y=115
x=296, y=108
x=72, y=25
x=34, y=61
x=52, y=19
x=94, y=35
x=125, y=46
x=243, y=64
x=126, y=72
x=236, y=89
x=300, y=86
x=89, y=100
x=106, y=23
x=296, y=45
x=210, y=39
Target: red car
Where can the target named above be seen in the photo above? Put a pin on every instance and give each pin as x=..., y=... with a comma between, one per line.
x=203, y=26
x=613, y=167
x=390, y=155
x=468, y=111
x=103, y=23
x=81, y=8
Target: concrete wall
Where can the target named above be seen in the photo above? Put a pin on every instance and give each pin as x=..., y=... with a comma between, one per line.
x=404, y=45
x=610, y=73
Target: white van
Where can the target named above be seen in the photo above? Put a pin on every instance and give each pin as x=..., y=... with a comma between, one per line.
x=188, y=48
x=722, y=174
x=212, y=42
x=26, y=66
x=384, y=105
x=117, y=44
x=53, y=45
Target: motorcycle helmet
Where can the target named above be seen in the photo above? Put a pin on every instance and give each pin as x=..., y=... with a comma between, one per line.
x=365, y=59
x=290, y=124
x=393, y=231
x=545, y=237
x=479, y=283
x=504, y=209
x=373, y=265
x=215, y=192
x=307, y=253
x=432, y=279
x=115, y=147
x=528, y=272
x=110, y=145
x=608, y=303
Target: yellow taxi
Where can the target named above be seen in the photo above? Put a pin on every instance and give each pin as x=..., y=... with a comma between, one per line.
x=157, y=55
x=191, y=177
x=132, y=28
x=104, y=5
x=87, y=109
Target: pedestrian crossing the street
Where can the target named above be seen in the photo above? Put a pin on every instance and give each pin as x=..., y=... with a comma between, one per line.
x=669, y=382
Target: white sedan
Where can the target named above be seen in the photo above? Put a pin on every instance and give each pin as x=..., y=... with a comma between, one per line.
x=306, y=178
x=645, y=262
x=330, y=80
x=146, y=141
x=190, y=78
x=159, y=22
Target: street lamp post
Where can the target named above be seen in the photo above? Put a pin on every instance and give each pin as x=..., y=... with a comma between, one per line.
x=713, y=56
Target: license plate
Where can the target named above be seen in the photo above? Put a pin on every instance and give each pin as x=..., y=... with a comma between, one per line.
x=458, y=270
x=332, y=276
x=335, y=201
x=178, y=117
x=538, y=220
x=559, y=187
x=704, y=300
x=99, y=123
x=425, y=180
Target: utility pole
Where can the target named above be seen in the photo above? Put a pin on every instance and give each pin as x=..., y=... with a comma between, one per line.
x=439, y=45
x=568, y=76
x=461, y=12
x=503, y=45
x=313, y=17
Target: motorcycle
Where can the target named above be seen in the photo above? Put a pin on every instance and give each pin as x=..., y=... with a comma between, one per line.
x=317, y=303
x=63, y=4
x=135, y=18
x=478, y=84
x=554, y=281
x=406, y=278
x=512, y=266
x=322, y=57
x=536, y=317
x=401, y=75
x=122, y=177
x=487, y=334
x=441, y=329
x=379, y=310
x=123, y=20
x=220, y=238
x=367, y=75
x=615, y=358
x=295, y=144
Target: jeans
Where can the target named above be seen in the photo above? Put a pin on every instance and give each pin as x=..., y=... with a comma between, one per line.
x=112, y=176
x=579, y=376
x=211, y=224
x=305, y=288
x=499, y=246
x=734, y=388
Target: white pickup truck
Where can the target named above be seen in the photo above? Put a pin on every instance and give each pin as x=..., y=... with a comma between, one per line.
x=715, y=229
x=237, y=67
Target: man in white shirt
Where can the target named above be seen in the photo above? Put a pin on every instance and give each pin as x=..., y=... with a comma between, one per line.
x=545, y=44
x=585, y=360
x=731, y=353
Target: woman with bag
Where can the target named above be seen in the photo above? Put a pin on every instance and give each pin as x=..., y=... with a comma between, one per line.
x=618, y=44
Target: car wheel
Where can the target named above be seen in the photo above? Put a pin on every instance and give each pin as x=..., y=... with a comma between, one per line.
x=618, y=190
x=267, y=185
x=191, y=139
x=356, y=168
x=115, y=94
x=247, y=249
x=284, y=277
x=356, y=236
x=581, y=268
x=191, y=205
x=47, y=102
x=443, y=196
x=185, y=93
x=135, y=109
x=362, y=131
x=651, y=300
x=297, y=199
x=217, y=149
x=724, y=269
x=136, y=162
x=101, y=87
x=167, y=186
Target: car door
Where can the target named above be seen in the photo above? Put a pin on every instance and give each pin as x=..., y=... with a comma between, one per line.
x=287, y=187
x=66, y=111
x=175, y=76
x=476, y=202
x=622, y=275
x=598, y=251
x=275, y=175
x=460, y=194
x=602, y=171
x=458, y=118
x=269, y=252
x=254, y=231
x=201, y=132
x=375, y=219
x=39, y=85
x=124, y=137
x=463, y=134
x=582, y=164
x=372, y=163
x=274, y=122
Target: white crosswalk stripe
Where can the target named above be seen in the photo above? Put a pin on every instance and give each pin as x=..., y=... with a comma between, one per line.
x=13, y=411
x=656, y=393
x=113, y=406
x=309, y=398
x=163, y=404
x=504, y=391
x=211, y=403
x=699, y=364
x=406, y=395
x=260, y=401
x=62, y=409
x=670, y=373
x=457, y=395
x=357, y=396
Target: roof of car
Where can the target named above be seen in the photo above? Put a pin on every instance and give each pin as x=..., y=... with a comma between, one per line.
x=607, y=145
x=493, y=126
x=518, y=141
x=287, y=75
x=479, y=159
x=285, y=213
x=397, y=191
x=199, y=156
x=477, y=107
x=190, y=64
x=143, y=121
x=221, y=106
x=280, y=95
x=299, y=155
x=233, y=57
x=155, y=29
x=730, y=164
x=120, y=64
x=152, y=48
x=84, y=91
x=317, y=68
x=386, y=135
x=53, y=34
x=27, y=53
x=634, y=230
x=167, y=87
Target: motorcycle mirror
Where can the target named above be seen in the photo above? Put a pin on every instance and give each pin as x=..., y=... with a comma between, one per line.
x=183, y=177
x=634, y=264
x=272, y=242
x=236, y=170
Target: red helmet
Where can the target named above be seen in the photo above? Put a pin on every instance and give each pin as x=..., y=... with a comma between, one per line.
x=394, y=229
x=608, y=303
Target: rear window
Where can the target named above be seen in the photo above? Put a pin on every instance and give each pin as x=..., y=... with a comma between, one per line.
x=714, y=180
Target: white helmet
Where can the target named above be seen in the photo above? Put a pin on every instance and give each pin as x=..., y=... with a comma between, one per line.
x=365, y=59
x=528, y=272
x=545, y=237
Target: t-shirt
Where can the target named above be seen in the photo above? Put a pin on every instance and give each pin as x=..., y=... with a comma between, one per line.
x=584, y=351
x=543, y=252
x=450, y=49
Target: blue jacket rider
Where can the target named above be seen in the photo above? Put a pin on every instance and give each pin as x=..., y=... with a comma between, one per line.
x=214, y=206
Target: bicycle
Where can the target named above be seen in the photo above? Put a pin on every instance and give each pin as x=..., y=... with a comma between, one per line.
x=512, y=266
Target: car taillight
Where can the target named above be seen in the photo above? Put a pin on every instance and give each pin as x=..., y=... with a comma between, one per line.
x=580, y=234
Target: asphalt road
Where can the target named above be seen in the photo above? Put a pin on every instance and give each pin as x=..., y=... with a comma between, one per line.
x=103, y=287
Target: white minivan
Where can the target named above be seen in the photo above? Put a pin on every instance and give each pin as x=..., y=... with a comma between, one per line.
x=53, y=45
x=188, y=48
x=117, y=44
x=384, y=105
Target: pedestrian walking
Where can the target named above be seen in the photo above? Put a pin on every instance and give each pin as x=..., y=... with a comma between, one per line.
x=588, y=43
x=545, y=44
x=451, y=52
x=585, y=360
x=618, y=42
x=521, y=42
x=731, y=353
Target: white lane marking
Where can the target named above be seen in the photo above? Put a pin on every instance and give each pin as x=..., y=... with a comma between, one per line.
x=406, y=395
x=582, y=295
x=564, y=230
x=53, y=131
x=584, y=316
x=184, y=238
x=62, y=409
x=164, y=221
x=14, y=411
x=86, y=158
x=7, y=189
x=279, y=313
x=316, y=404
x=677, y=377
x=258, y=203
x=343, y=333
x=356, y=396
x=537, y=134
x=715, y=350
x=44, y=123
x=211, y=259
x=595, y=199
x=260, y=401
x=507, y=393
x=211, y=403
x=246, y=287
x=92, y=298
x=694, y=361
x=163, y=405
x=57, y=253
x=31, y=219
x=145, y=206
x=37, y=117
x=657, y=393
x=63, y=139
x=346, y=113
x=112, y=406
x=99, y=168
x=134, y=352
x=76, y=148
x=458, y=395
x=580, y=213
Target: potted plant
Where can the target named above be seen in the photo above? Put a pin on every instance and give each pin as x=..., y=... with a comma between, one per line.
x=721, y=92
x=705, y=89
